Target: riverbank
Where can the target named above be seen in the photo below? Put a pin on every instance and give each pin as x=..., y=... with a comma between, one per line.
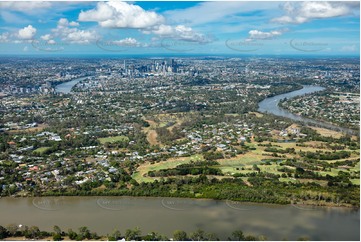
x=271, y=105
x=350, y=130
x=26, y=233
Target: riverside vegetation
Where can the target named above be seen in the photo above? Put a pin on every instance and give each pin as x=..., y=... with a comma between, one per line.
x=11, y=232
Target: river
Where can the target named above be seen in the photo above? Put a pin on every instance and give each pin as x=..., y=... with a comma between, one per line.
x=164, y=215
x=270, y=105
x=67, y=86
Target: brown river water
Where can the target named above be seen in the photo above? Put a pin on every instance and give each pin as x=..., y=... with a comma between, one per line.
x=164, y=215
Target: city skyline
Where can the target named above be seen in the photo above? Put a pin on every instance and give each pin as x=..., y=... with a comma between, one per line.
x=180, y=28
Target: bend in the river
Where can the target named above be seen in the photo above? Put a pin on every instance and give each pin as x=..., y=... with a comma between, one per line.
x=270, y=105
x=66, y=87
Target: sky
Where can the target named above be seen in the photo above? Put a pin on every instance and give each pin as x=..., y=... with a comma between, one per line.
x=180, y=28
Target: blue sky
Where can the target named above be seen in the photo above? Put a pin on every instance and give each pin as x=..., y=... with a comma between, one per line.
x=209, y=28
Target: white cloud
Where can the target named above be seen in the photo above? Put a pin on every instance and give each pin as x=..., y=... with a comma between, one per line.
x=187, y=33
x=349, y=48
x=27, y=33
x=73, y=24
x=121, y=15
x=179, y=32
x=24, y=6
x=126, y=42
x=161, y=30
x=26, y=49
x=46, y=37
x=301, y=12
x=4, y=37
x=23, y=35
x=65, y=22
x=125, y=15
x=52, y=42
x=256, y=34
x=66, y=31
x=80, y=36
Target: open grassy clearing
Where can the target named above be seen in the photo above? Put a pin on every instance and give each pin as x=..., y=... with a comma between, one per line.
x=151, y=133
x=244, y=163
x=283, y=145
x=288, y=179
x=152, y=137
x=312, y=146
x=113, y=139
x=258, y=115
x=271, y=168
x=39, y=128
x=320, y=182
x=158, y=121
x=232, y=114
x=300, y=180
x=41, y=150
x=333, y=172
x=168, y=164
x=327, y=132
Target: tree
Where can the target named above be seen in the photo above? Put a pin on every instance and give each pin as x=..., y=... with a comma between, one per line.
x=211, y=237
x=198, y=235
x=116, y=235
x=180, y=235
x=250, y=238
x=94, y=235
x=111, y=238
x=32, y=233
x=154, y=236
x=262, y=238
x=12, y=229
x=57, y=237
x=57, y=233
x=72, y=235
x=57, y=229
x=84, y=233
x=256, y=168
x=3, y=232
x=132, y=234
x=238, y=235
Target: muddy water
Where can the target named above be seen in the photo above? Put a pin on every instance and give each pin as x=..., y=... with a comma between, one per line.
x=164, y=215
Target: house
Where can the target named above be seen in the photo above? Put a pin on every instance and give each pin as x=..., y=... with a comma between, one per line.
x=34, y=168
x=55, y=138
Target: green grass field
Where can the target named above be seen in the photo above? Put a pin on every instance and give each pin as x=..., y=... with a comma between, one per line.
x=230, y=166
x=355, y=181
x=113, y=139
x=171, y=163
x=41, y=150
